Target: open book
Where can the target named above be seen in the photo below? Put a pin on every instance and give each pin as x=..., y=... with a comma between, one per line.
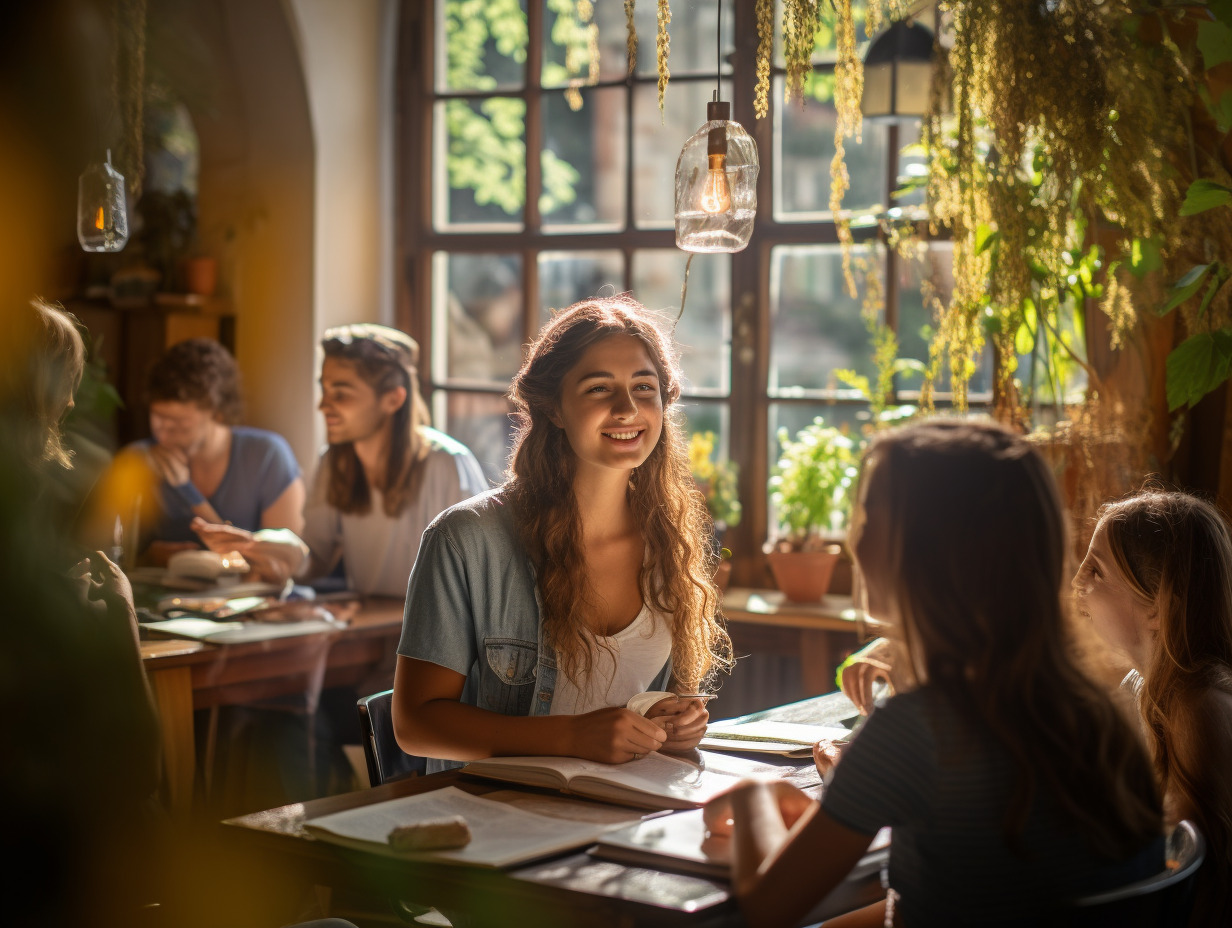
x=237, y=632
x=656, y=781
x=791, y=739
x=679, y=842
x=501, y=835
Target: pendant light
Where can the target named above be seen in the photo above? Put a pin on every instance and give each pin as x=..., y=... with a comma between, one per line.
x=716, y=179
x=898, y=73
x=102, y=208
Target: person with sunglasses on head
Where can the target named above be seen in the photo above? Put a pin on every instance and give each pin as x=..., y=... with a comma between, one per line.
x=384, y=475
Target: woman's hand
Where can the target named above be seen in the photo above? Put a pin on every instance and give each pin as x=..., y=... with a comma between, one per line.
x=105, y=592
x=683, y=720
x=614, y=735
x=171, y=464
x=221, y=538
x=719, y=813
x=274, y=555
x=868, y=666
x=827, y=754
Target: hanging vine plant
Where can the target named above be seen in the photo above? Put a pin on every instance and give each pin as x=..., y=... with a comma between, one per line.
x=1082, y=169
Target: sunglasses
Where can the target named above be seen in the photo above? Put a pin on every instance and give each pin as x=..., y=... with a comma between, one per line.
x=372, y=345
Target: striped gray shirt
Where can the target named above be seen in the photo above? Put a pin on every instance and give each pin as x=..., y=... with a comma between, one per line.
x=943, y=787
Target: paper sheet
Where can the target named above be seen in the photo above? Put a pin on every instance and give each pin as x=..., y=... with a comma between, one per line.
x=501, y=835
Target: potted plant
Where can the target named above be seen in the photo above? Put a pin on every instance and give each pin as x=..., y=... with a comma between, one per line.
x=811, y=492
x=716, y=479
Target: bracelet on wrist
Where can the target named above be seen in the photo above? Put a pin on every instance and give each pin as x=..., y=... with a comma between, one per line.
x=189, y=493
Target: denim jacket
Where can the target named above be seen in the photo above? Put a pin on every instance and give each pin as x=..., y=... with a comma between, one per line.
x=473, y=607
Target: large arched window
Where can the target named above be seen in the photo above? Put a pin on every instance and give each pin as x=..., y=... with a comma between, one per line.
x=516, y=200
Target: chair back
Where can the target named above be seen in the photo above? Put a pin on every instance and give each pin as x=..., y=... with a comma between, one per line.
x=1160, y=901
x=386, y=761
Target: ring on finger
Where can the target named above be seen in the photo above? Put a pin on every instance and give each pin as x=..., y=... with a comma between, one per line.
x=638, y=756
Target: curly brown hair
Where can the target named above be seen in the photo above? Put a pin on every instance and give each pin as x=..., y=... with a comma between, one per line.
x=199, y=371
x=675, y=578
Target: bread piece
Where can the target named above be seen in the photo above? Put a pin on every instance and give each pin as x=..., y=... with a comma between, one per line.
x=435, y=834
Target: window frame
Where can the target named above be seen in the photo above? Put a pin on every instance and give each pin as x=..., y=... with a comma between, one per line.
x=417, y=240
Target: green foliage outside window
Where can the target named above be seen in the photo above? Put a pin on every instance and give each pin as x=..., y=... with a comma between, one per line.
x=487, y=145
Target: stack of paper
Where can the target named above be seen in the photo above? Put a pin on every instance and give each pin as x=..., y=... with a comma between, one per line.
x=790, y=739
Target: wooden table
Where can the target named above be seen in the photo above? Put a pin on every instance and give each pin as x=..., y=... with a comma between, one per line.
x=761, y=621
x=186, y=675
x=572, y=889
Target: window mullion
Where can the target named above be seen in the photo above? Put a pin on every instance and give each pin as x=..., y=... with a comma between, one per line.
x=534, y=166
x=750, y=295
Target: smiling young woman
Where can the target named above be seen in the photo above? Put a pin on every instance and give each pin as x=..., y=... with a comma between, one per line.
x=537, y=610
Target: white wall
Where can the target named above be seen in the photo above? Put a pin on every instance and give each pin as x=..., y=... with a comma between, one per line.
x=297, y=187
x=347, y=51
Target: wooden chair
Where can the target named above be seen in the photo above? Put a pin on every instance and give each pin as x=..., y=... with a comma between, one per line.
x=386, y=761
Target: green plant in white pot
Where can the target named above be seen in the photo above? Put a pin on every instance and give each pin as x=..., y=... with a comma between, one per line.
x=811, y=491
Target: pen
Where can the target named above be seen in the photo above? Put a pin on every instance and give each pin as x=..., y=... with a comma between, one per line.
x=704, y=697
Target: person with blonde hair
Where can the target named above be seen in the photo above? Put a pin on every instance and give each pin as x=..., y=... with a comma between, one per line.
x=73, y=682
x=538, y=610
x=1156, y=585
x=1011, y=781
x=43, y=387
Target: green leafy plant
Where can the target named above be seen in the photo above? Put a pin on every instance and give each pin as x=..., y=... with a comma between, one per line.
x=717, y=480
x=811, y=487
x=1204, y=360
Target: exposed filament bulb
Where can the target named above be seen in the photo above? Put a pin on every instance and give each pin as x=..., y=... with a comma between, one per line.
x=716, y=194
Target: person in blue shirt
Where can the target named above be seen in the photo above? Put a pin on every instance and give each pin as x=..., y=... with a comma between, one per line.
x=198, y=463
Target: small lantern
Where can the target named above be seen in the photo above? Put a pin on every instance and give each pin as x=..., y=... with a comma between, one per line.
x=102, y=208
x=898, y=73
x=716, y=185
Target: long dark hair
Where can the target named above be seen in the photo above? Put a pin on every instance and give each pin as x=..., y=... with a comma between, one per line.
x=676, y=576
x=977, y=563
x=386, y=359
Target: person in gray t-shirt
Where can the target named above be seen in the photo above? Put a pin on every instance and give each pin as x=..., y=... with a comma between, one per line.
x=1010, y=781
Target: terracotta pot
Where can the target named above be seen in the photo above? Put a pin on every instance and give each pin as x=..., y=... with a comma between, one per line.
x=722, y=575
x=804, y=576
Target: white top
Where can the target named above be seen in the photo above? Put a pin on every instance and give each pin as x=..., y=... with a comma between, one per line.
x=623, y=665
x=377, y=551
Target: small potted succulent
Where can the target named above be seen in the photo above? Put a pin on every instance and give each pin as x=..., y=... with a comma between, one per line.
x=811, y=491
x=717, y=481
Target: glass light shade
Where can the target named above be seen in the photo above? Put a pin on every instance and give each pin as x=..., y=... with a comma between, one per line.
x=898, y=73
x=102, y=208
x=716, y=185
